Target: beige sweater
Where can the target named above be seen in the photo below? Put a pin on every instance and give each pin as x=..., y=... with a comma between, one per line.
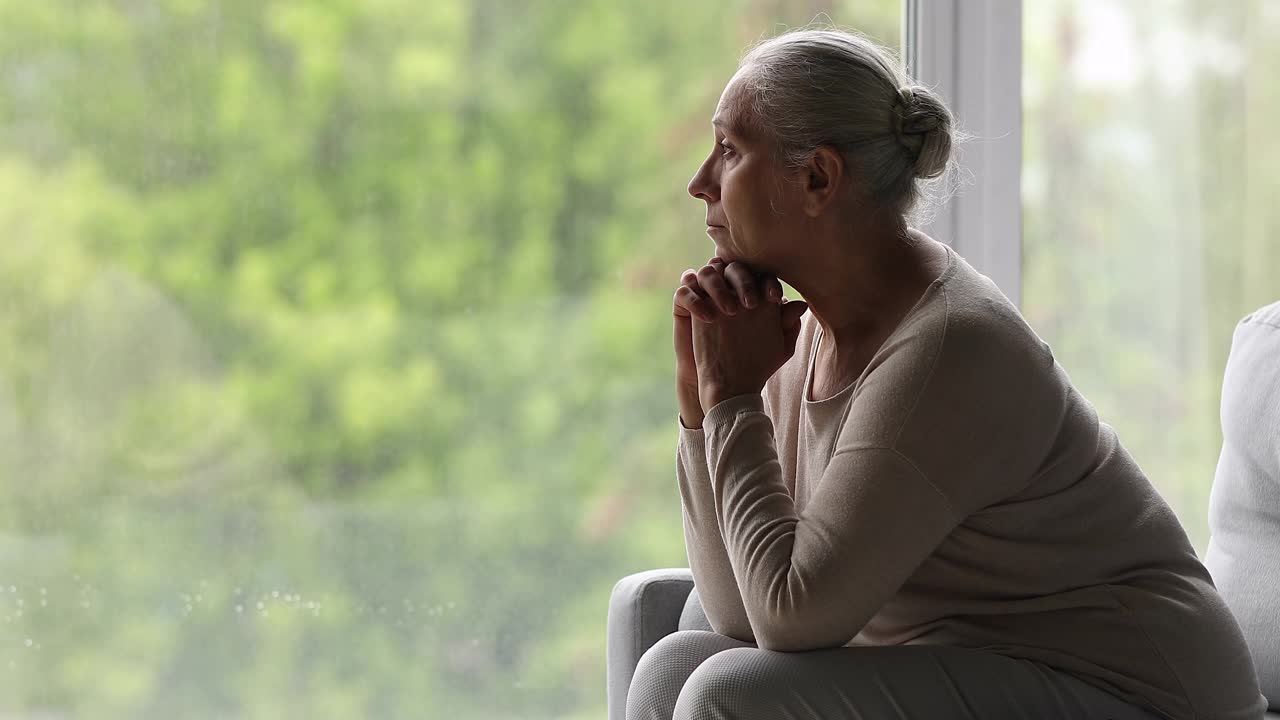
x=960, y=492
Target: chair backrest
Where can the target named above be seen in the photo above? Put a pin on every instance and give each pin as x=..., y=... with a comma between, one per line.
x=1244, y=504
x=693, y=617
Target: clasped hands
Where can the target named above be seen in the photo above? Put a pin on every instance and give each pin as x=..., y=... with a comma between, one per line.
x=733, y=330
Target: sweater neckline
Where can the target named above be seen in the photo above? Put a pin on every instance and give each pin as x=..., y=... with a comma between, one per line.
x=929, y=292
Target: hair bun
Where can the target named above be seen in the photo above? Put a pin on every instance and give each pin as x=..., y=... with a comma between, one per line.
x=922, y=125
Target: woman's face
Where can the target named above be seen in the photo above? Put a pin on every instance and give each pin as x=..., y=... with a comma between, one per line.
x=752, y=207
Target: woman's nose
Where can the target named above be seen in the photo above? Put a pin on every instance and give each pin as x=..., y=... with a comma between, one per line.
x=702, y=186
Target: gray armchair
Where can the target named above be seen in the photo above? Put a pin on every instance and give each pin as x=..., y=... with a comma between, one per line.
x=644, y=608
x=649, y=605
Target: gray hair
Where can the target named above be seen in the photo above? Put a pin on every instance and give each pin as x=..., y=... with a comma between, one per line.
x=812, y=87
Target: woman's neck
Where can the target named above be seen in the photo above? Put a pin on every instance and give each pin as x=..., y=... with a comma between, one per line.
x=863, y=286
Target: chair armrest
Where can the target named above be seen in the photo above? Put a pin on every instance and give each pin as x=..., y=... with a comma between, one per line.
x=644, y=608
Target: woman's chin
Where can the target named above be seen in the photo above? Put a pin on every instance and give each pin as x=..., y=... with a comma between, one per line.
x=728, y=256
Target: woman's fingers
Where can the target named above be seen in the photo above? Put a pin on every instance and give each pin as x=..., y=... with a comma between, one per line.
x=726, y=287
x=747, y=283
x=691, y=300
x=744, y=282
x=692, y=304
x=712, y=280
x=772, y=289
x=791, y=312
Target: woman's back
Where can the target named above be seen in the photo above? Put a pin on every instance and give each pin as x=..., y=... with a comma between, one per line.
x=1064, y=552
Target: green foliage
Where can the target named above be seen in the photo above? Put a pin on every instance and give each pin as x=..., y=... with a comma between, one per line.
x=354, y=309
x=1149, y=225
x=336, y=377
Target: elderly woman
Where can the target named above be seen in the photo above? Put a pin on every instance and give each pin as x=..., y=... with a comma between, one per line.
x=895, y=503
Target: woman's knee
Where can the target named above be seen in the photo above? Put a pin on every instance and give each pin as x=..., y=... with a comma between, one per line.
x=735, y=684
x=665, y=668
x=684, y=650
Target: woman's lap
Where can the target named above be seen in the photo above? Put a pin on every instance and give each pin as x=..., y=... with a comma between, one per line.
x=698, y=675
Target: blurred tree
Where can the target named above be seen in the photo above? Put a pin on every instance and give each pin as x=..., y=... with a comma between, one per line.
x=336, y=378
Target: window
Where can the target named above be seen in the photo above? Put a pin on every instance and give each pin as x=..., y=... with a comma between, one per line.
x=335, y=377
x=1150, y=222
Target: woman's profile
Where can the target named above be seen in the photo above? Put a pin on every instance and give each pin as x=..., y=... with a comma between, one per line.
x=895, y=503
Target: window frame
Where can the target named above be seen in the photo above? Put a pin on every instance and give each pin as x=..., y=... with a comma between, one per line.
x=970, y=51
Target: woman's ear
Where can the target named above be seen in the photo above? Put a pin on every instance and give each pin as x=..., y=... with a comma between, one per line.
x=824, y=176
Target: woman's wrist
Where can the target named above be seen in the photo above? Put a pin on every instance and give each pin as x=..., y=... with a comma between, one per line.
x=690, y=406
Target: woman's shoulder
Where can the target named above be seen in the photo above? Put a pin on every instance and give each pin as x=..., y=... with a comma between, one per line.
x=981, y=321
x=974, y=350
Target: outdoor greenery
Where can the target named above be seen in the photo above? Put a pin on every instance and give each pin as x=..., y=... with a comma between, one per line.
x=1150, y=222
x=336, y=376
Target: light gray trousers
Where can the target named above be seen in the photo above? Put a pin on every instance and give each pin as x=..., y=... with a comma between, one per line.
x=700, y=675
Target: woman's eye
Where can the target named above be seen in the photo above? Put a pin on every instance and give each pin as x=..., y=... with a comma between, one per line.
x=725, y=150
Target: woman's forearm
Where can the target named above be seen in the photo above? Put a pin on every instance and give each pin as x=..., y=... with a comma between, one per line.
x=712, y=572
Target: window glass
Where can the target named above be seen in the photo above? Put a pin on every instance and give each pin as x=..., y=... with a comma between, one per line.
x=335, y=366
x=1151, y=225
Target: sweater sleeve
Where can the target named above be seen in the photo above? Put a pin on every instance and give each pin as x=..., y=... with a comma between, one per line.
x=712, y=573
x=813, y=581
